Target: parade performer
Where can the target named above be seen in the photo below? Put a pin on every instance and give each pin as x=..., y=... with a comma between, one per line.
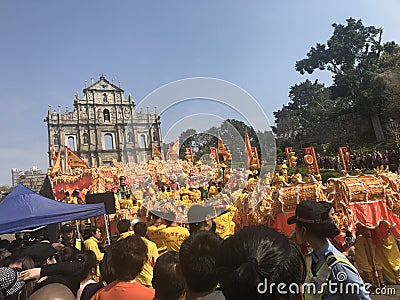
x=75, y=198
x=225, y=227
x=365, y=257
x=387, y=252
x=154, y=231
x=92, y=243
x=66, y=198
x=173, y=234
x=123, y=189
x=140, y=229
x=173, y=183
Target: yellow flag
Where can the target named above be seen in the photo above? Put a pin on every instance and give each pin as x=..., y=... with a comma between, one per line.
x=74, y=161
x=156, y=151
x=57, y=165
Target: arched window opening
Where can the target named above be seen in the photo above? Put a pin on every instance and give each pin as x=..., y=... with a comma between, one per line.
x=71, y=143
x=130, y=137
x=143, y=141
x=85, y=138
x=106, y=113
x=56, y=140
x=108, y=142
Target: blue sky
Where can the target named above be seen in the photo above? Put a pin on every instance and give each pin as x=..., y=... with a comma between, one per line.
x=49, y=48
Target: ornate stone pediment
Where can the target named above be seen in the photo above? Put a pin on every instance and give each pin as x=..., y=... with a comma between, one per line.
x=103, y=92
x=103, y=85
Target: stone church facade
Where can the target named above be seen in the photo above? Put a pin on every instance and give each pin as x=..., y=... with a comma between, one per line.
x=103, y=126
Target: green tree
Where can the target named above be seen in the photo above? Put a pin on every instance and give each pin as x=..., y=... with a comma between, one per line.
x=186, y=139
x=352, y=55
x=309, y=107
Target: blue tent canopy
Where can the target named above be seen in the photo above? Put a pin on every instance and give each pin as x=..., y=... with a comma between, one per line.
x=23, y=208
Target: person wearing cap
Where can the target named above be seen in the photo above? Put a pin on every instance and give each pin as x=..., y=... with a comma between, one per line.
x=332, y=276
x=42, y=254
x=68, y=237
x=123, y=189
x=173, y=234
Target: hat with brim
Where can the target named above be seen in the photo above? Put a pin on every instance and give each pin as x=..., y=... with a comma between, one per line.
x=309, y=212
x=9, y=281
x=40, y=252
x=67, y=228
x=198, y=213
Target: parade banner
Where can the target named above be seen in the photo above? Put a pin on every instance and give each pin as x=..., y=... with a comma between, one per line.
x=222, y=151
x=57, y=166
x=344, y=158
x=310, y=159
x=247, y=149
x=213, y=153
x=73, y=160
x=156, y=152
x=65, y=182
x=173, y=151
x=254, y=161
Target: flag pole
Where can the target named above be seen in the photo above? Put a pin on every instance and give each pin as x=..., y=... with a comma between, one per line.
x=108, y=234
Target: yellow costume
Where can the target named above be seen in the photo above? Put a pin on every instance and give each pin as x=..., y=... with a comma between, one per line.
x=366, y=260
x=174, y=237
x=225, y=228
x=154, y=232
x=388, y=254
x=92, y=244
x=125, y=235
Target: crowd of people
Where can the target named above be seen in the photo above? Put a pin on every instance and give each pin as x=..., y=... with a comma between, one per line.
x=157, y=258
x=196, y=251
x=364, y=161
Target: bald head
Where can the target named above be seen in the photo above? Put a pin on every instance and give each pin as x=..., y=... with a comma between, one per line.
x=53, y=291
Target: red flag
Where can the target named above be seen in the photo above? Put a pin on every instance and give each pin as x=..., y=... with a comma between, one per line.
x=73, y=160
x=247, y=149
x=57, y=165
x=213, y=153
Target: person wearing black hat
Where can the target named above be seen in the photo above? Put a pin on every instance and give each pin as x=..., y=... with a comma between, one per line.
x=332, y=275
x=42, y=254
x=68, y=237
x=200, y=218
